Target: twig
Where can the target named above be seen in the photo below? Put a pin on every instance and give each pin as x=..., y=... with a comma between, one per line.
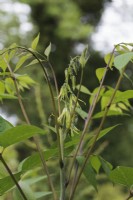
x=56, y=87
x=90, y=113
x=90, y=149
x=13, y=177
x=42, y=156
x=50, y=89
x=130, y=195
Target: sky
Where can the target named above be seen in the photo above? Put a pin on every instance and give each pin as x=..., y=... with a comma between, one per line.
x=21, y=11
x=116, y=25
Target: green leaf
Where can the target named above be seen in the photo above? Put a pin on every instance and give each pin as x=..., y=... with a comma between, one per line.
x=2, y=87
x=19, y=134
x=107, y=167
x=3, y=64
x=102, y=133
x=3, y=61
x=94, y=93
x=81, y=113
x=119, y=97
x=130, y=44
x=73, y=80
x=119, y=49
x=125, y=48
x=84, y=114
x=122, y=60
x=25, y=81
x=88, y=172
x=35, y=42
x=34, y=180
x=109, y=59
x=13, y=51
x=21, y=61
x=7, y=96
x=122, y=175
x=84, y=57
x=73, y=141
x=128, y=78
x=100, y=73
x=83, y=89
x=33, y=62
x=34, y=160
x=95, y=162
x=39, y=195
x=4, y=125
x=105, y=99
x=9, y=85
x=7, y=183
x=50, y=128
x=4, y=74
x=110, y=113
x=48, y=50
x=123, y=96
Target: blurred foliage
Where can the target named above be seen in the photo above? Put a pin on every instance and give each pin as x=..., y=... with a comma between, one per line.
x=68, y=25
x=109, y=192
x=13, y=18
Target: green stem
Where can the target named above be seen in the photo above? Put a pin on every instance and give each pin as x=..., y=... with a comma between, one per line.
x=77, y=97
x=71, y=118
x=59, y=136
x=90, y=113
x=129, y=197
x=52, y=98
x=75, y=177
x=62, y=169
x=13, y=177
x=97, y=133
x=62, y=172
x=56, y=87
x=42, y=156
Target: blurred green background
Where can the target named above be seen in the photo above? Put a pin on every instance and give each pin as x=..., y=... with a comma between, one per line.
x=70, y=25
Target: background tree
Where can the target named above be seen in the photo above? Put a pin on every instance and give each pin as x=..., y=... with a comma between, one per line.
x=68, y=25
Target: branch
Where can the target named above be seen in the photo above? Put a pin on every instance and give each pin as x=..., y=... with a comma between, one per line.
x=35, y=137
x=13, y=177
x=90, y=149
x=90, y=113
